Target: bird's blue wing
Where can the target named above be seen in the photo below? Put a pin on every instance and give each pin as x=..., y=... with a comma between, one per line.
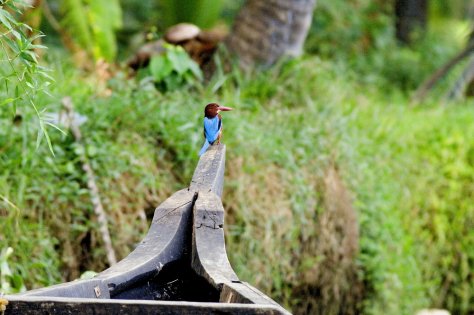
x=212, y=127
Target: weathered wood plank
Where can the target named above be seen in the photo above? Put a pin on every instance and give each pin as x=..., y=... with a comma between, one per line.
x=167, y=241
x=209, y=257
x=91, y=288
x=242, y=292
x=67, y=306
x=209, y=173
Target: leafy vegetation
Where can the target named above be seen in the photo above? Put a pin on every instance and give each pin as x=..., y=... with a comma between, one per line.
x=172, y=70
x=8, y=280
x=340, y=196
x=22, y=76
x=92, y=26
x=203, y=13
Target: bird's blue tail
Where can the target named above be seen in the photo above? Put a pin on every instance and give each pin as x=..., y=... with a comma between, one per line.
x=204, y=148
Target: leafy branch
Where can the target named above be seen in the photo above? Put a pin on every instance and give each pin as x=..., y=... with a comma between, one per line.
x=24, y=76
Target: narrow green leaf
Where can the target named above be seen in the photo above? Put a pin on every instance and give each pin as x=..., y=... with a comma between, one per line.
x=13, y=46
x=17, y=97
x=10, y=17
x=39, y=138
x=34, y=37
x=25, y=26
x=43, y=132
x=17, y=35
x=38, y=47
x=47, y=93
x=56, y=127
x=23, y=36
x=8, y=202
x=14, y=106
x=194, y=67
x=10, y=75
x=8, y=101
x=48, y=140
x=46, y=76
x=13, y=7
x=4, y=20
x=29, y=55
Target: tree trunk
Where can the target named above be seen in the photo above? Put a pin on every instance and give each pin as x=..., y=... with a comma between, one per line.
x=266, y=30
x=461, y=85
x=429, y=83
x=411, y=15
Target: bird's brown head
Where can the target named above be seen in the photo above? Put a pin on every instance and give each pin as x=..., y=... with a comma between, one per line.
x=213, y=109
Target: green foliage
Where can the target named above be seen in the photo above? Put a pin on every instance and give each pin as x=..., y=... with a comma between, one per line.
x=21, y=74
x=428, y=219
x=453, y=8
x=173, y=69
x=337, y=31
x=405, y=67
x=365, y=42
x=75, y=18
x=92, y=25
x=203, y=13
x=139, y=15
x=9, y=282
x=88, y=275
x=447, y=153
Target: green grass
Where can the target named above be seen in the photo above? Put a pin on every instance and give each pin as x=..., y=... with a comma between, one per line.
x=406, y=174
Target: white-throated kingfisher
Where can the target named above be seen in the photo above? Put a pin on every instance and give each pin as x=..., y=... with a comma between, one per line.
x=212, y=125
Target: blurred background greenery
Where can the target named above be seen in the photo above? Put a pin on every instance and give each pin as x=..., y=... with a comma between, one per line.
x=342, y=194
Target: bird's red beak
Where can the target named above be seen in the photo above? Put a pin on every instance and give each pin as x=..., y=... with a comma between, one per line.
x=224, y=109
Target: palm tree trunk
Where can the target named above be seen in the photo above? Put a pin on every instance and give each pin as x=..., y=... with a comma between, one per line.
x=460, y=85
x=429, y=83
x=266, y=30
x=466, y=78
x=410, y=16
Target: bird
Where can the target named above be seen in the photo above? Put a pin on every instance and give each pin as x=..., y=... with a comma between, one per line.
x=212, y=125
